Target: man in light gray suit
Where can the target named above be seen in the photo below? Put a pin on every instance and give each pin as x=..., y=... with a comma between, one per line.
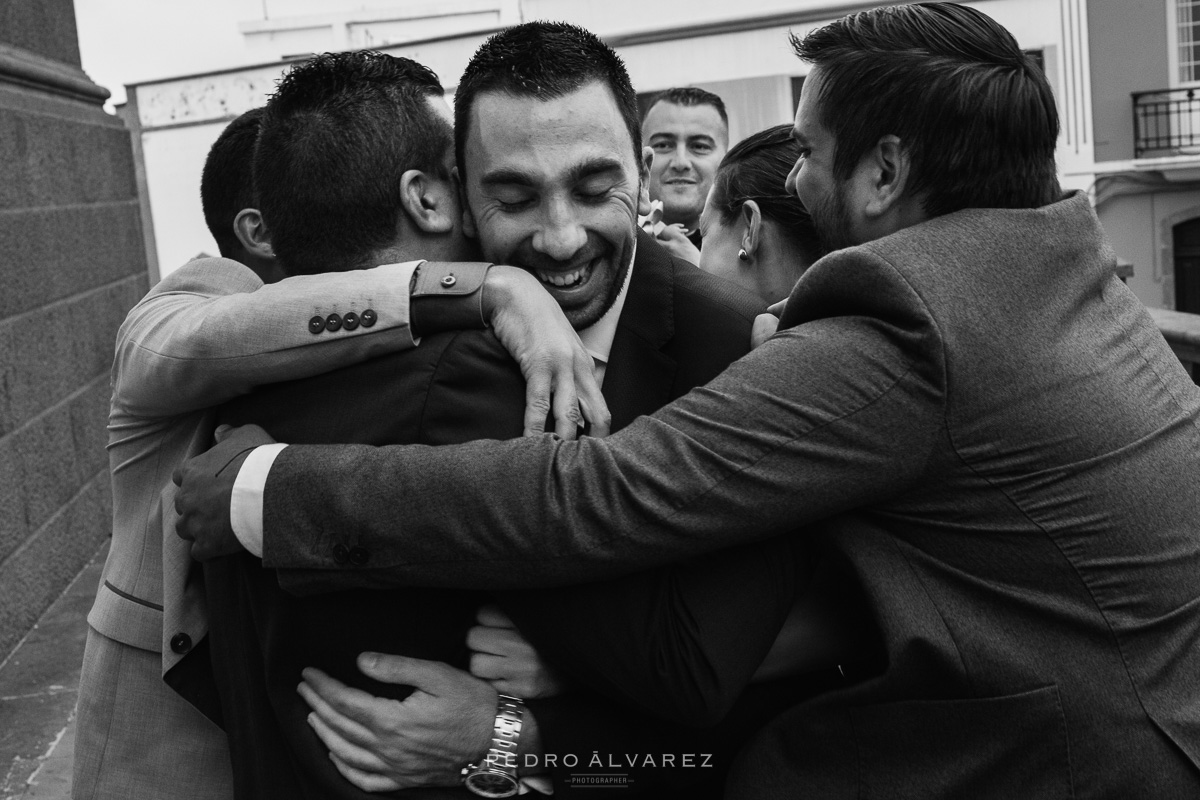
x=1004, y=450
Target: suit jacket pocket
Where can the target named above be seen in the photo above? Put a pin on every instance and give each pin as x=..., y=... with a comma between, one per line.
x=996, y=747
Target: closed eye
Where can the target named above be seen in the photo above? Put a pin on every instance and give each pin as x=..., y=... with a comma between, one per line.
x=593, y=194
x=512, y=199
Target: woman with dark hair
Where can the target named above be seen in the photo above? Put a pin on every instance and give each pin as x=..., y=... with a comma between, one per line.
x=755, y=233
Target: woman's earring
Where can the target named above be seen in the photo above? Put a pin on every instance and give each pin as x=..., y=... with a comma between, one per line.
x=743, y=255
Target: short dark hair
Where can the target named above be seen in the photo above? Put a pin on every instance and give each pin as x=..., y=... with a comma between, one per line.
x=544, y=60
x=227, y=181
x=974, y=112
x=338, y=133
x=755, y=169
x=690, y=96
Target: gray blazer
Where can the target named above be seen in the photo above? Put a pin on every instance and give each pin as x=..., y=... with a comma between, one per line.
x=1007, y=454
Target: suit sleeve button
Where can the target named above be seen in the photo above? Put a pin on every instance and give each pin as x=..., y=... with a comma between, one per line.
x=350, y=321
x=367, y=318
x=340, y=554
x=359, y=556
x=333, y=323
x=181, y=643
x=316, y=325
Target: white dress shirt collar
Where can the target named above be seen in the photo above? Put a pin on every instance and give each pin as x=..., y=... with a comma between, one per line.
x=598, y=337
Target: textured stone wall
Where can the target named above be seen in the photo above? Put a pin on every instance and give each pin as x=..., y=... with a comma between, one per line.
x=71, y=265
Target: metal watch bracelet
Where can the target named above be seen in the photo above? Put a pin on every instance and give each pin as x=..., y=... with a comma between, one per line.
x=496, y=775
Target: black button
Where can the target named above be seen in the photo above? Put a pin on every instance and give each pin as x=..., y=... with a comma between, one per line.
x=340, y=554
x=181, y=643
x=368, y=318
x=333, y=323
x=359, y=556
x=316, y=325
x=350, y=321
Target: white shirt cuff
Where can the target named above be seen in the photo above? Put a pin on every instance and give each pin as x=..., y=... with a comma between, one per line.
x=246, y=505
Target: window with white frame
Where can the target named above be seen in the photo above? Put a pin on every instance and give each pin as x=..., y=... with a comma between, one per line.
x=1186, y=52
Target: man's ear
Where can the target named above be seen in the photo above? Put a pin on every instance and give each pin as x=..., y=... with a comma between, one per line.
x=889, y=168
x=751, y=237
x=643, y=207
x=251, y=231
x=426, y=201
x=468, y=222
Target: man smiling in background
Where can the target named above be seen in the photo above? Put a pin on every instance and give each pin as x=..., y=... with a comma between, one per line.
x=688, y=130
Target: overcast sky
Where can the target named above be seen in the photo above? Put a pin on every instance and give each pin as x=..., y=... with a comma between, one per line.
x=129, y=41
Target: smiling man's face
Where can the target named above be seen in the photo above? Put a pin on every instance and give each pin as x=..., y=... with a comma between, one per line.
x=552, y=187
x=688, y=143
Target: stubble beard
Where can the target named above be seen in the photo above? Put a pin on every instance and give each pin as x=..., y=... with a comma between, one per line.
x=832, y=221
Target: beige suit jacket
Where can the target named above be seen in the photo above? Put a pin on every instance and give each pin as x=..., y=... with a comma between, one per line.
x=207, y=333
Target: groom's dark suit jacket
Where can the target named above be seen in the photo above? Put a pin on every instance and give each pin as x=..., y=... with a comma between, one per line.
x=679, y=328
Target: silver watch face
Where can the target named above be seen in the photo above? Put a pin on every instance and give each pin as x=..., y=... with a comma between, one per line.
x=492, y=784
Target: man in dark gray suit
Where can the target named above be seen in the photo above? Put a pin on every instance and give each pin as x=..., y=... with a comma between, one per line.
x=1003, y=449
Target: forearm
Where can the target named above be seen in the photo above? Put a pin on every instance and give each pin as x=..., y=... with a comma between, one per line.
x=754, y=454
x=210, y=333
x=213, y=333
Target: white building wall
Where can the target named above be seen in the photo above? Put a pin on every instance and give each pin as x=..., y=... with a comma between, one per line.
x=1129, y=222
x=297, y=27
x=1140, y=227
x=174, y=159
x=716, y=57
x=720, y=49
x=278, y=43
x=177, y=122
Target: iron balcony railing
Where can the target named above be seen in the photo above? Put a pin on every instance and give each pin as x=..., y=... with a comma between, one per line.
x=1166, y=122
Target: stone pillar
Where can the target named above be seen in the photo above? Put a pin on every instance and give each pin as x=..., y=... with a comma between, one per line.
x=71, y=265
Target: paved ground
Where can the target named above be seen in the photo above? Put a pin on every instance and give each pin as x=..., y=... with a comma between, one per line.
x=38, y=684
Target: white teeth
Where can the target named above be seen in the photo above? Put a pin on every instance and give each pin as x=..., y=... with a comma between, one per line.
x=562, y=278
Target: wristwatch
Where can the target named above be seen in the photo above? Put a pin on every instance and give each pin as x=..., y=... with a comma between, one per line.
x=496, y=775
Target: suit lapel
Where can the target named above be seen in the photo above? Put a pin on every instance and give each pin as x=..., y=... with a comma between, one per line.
x=640, y=375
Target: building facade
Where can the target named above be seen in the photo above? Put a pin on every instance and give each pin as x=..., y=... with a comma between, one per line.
x=739, y=51
x=1145, y=180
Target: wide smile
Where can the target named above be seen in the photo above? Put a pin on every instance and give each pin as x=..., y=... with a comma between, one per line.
x=567, y=280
